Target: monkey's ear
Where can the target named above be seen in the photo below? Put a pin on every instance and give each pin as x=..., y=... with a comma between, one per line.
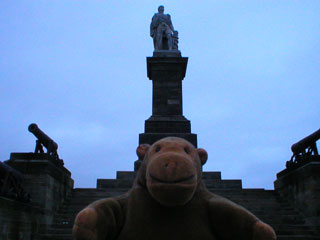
x=142, y=149
x=203, y=155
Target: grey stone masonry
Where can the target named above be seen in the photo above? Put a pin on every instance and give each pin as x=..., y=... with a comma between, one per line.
x=266, y=204
x=19, y=220
x=167, y=117
x=125, y=180
x=301, y=187
x=48, y=184
x=167, y=74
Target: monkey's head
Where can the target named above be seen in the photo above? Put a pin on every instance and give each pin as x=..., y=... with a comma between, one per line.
x=171, y=170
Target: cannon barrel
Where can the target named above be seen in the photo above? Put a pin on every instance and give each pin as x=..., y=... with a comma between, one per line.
x=44, y=139
x=306, y=142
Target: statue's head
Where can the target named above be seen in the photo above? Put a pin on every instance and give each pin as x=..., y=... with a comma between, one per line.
x=161, y=9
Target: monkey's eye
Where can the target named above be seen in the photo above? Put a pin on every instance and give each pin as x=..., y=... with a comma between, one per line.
x=158, y=148
x=187, y=150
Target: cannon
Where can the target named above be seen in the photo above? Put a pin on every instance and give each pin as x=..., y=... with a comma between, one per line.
x=308, y=143
x=11, y=184
x=304, y=148
x=43, y=140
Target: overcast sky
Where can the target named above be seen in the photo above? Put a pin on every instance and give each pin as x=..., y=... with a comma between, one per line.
x=78, y=69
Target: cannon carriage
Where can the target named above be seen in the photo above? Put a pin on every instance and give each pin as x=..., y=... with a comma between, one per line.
x=303, y=150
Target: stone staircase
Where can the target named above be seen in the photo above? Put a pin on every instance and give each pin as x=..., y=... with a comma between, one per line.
x=266, y=204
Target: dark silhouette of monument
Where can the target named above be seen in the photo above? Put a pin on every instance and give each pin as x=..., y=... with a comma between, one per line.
x=292, y=209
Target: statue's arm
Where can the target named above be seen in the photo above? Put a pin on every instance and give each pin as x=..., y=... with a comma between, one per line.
x=152, y=25
x=170, y=23
x=231, y=221
x=101, y=220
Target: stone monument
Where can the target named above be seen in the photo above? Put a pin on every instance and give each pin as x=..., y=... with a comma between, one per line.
x=299, y=182
x=293, y=208
x=165, y=38
x=166, y=68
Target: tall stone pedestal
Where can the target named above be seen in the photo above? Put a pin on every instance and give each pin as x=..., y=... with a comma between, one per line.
x=301, y=186
x=48, y=184
x=167, y=117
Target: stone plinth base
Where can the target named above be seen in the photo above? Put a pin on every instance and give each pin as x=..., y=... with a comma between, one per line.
x=125, y=180
x=301, y=187
x=150, y=138
x=48, y=183
x=167, y=53
x=19, y=220
x=167, y=124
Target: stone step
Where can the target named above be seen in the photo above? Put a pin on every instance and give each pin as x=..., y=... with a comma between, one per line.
x=287, y=232
x=291, y=232
x=242, y=192
x=54, y=237
x=259, y=210
x=211, y=175
x=223, y=184
x=297, y=237
x=131, y=175
x=95, y=191
x=115, y=191
x=59, y=231
x=63, y=225
x=65, y=220
x=294, y=232
x=266, y=204
x=68, y=236
x=126, y=175
x=281, y=220
x=238, y=198
x=288, y=219
x=210, y=183
x=114, y=183
x=283, y=237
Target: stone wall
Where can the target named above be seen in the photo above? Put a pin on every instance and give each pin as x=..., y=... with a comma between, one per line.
x=19, y=220
x=49, y=186
x=301, y=187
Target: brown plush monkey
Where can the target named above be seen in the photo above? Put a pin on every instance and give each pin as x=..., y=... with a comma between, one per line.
x=169, y=201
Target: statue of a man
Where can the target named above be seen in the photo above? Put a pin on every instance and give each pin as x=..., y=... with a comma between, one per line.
x=161, y=30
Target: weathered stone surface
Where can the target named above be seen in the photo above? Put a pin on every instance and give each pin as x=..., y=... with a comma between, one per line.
x=158, y=125
x=301, y=187
x=19, y=220
x=165, y=38
x=166, y=68
x=167, y=117
x=266, y=204
x=166, y=53
x=151, y=138
x=33, y=163
x=48, y=184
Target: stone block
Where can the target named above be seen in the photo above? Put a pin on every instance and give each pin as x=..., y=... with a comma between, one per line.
x=223, y=184
x=301, y=187
x=114, y=183
x=48, y=184
x=151, y=138
x=19, y=220
x=126, y=175
x=211, y=175
x=161, y=67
